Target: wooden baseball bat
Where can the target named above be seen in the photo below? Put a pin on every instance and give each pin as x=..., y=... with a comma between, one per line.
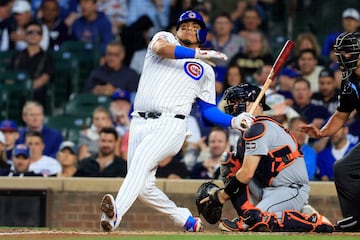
x=278, y=64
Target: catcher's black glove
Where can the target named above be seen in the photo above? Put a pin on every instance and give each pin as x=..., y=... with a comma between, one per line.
x=211, y=207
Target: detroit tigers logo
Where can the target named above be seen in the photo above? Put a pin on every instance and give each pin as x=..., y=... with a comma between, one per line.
x=194, y=70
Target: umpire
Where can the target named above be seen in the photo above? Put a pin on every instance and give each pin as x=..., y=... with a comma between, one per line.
x=346, y=170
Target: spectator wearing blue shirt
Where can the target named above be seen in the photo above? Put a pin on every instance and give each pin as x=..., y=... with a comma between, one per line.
x=314, y=114
x=328, y=94
x=158, y=11
x=104, y=80
x=350, y=23
x=340, y=146
x=93, y=26
x=33, y=116
x=68, y=9
x=308, y=151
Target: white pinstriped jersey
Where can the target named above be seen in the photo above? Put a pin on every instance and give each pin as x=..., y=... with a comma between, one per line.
x=172, y=85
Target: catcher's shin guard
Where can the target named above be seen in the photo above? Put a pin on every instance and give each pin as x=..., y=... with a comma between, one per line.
x=294, y=221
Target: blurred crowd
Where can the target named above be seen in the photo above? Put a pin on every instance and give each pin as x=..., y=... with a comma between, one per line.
x=306, y=90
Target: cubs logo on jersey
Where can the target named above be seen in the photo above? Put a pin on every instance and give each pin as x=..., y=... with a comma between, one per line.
x=194, y=70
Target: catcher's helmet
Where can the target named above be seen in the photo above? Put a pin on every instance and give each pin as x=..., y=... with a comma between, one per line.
x=193, y=16
x=237, y=96
x=347, y=44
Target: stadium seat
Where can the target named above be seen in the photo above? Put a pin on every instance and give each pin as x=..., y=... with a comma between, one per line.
x=70, y=126
x=83, y=104
x=87, y=57
x=15, y=89
x=5, y=59
x=66, y=77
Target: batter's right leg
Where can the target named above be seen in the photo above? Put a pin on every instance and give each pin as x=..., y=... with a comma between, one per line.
x=155, y=198
x=109, y=219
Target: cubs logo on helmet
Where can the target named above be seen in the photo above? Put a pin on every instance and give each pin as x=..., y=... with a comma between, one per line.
x=191, y=16
x=194, y=16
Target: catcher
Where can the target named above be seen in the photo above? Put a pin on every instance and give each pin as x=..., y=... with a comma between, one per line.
x=266, y=178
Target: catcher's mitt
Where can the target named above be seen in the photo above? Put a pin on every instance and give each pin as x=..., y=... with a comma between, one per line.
x=211, y=208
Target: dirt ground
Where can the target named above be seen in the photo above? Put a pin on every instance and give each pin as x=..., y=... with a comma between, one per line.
x=23, y=233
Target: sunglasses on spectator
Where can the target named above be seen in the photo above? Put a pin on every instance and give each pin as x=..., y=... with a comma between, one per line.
x=30, y=32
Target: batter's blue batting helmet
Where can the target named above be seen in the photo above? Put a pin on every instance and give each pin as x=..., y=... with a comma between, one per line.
x=193, y=16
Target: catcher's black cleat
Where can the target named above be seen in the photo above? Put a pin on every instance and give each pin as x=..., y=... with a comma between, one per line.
x=234, y=225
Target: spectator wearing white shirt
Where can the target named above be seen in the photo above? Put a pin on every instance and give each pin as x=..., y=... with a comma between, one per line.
x=40, y=163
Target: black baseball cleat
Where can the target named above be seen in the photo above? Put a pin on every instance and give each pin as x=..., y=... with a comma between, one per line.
x=349, y=224
x=234, y=225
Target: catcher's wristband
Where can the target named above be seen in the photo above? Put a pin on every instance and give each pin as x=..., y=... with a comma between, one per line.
x=183, y=52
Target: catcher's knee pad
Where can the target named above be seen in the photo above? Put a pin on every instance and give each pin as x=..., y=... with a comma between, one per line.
x=294, y=221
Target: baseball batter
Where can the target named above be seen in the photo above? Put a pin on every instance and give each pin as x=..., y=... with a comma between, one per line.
x=269, y=164
x=176, y=74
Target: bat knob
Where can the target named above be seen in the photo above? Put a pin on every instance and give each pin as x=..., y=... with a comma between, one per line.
x=243, y=125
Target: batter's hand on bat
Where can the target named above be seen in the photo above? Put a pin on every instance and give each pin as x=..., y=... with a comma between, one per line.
x=244, y=117
x=311, y=130
x=208, y=55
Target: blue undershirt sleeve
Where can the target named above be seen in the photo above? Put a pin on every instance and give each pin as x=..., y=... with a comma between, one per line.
x=184, y=52
x=211, y=114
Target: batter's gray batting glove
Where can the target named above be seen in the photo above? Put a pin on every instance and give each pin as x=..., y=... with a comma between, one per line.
x=209, y=55
x=243, y=121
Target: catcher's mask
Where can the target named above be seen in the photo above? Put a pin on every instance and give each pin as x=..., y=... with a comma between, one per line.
x=237, y=96
x=347, y=50
x=193, y=16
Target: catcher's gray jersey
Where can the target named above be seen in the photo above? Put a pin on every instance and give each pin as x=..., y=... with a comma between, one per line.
x=284, y=185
